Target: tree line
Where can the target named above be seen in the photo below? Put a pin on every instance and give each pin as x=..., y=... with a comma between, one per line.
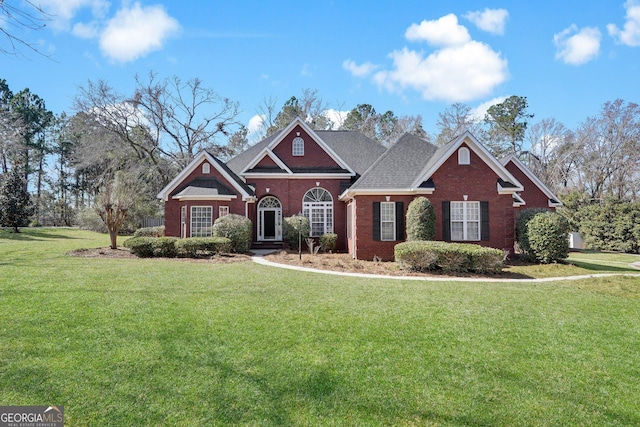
x=147, y=135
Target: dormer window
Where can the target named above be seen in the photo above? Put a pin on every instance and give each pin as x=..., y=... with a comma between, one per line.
x=464, y=156
x=206, y=168
x=298, y=146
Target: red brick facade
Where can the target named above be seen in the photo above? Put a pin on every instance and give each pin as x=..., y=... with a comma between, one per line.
x=532, y=194
x=173, y=207
x=353, y=218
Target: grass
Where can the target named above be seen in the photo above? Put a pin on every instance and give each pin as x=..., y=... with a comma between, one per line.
x=151, y=342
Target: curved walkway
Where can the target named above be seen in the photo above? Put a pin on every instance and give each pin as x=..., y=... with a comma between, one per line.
x=258, y=259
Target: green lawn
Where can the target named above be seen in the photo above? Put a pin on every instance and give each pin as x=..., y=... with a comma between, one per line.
x=150, y=342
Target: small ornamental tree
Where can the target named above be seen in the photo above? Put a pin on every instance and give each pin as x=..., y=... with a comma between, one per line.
x=15, y=202
x=421, y=220
x=296, y=230
x=113, y=203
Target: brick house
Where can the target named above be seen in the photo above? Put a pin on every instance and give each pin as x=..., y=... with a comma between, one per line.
x=348, y=184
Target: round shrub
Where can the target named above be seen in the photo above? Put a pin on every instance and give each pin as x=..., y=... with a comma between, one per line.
x=328, y=242
x=421, y=220
x=140, y=246
x=165, y=247
x=295, y=226
x=149, y=232
x=237, y=229
x=522, y=234
x=548, y=237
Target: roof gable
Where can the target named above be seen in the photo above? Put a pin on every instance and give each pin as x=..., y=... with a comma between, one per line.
x=235, y=182
x=507, y=182
x=270, y=146
x=554, y=201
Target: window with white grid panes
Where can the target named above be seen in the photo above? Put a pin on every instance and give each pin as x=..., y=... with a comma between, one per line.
x=298, y=146
x=223, y=211
x=465, y=221
x=201, y=221
x=387, y=221
x=317, y=205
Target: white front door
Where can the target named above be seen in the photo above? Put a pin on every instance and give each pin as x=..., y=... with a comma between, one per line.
x=269, y=219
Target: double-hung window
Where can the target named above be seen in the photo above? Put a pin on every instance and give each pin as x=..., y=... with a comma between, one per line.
x=387, y=221
x=465, y=221
x=201, y=221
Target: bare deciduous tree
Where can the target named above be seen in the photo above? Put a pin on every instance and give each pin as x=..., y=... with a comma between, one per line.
x=14, y=19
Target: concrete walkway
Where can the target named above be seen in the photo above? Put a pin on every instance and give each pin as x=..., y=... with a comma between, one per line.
x=258, y=258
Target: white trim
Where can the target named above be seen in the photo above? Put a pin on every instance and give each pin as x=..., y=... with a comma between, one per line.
x=519, y=201
x=266, y=152
x=348, y=194
x=296, y=175
x=166, y=191
x=481, y=151
x=219, y=198
x=529, y=174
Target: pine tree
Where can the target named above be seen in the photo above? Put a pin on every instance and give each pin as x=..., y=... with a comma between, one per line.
x=15, y=202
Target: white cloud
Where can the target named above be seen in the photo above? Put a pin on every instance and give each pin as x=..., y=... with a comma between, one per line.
x=490, y=20
x=630, y=35
x=458, y=70
x=255, y=128
x=337, y=117
x=441, y=32
x=358, y=70
x=576, y=47
x=86, y=31
x=63, y=11
x=478, y=113
x=135, y=31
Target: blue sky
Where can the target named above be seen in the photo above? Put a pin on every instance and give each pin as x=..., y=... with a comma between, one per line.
x=411, y=57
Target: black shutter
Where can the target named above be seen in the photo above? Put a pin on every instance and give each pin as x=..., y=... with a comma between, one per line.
x=446, y=220
x=399, y=221
x=376, y=220
x=484, y=220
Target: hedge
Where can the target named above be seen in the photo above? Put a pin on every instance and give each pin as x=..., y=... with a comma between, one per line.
x=169, y=247
x=421, y=255
x=194, y=247
x=149, y=232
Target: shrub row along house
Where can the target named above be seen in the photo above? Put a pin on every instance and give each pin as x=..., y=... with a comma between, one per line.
x=348, y=184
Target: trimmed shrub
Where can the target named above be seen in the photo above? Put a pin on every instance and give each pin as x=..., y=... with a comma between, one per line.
x=610, y=226
x=548, y=237
x=149, y=232
x=421, y=220
x=522, y=234
x=295, y=226
x=328, y=242
x=194, y=247
x=236, y=228
x=140, y=246
x=165, y=247
x=420, y=255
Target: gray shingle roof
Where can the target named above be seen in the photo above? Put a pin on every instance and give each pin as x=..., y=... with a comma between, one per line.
x=399, y=166
x=355, y=149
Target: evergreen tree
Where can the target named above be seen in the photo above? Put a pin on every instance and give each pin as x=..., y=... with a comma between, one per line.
x=15, y=202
